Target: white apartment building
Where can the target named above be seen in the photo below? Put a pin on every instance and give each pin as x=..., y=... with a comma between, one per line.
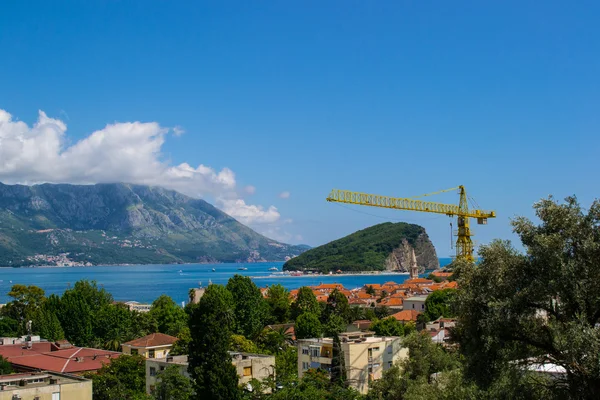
x=366, y=356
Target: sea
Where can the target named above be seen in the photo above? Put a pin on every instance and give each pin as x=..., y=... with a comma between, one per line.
x=144, y=283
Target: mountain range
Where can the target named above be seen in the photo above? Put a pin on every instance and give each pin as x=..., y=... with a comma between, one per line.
x=61, y=224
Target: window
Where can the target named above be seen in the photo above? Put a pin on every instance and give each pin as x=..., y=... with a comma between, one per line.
x=56, y=396
x=247, y=371
x=134, y=352
x=413, y=306
x=422, y=306
x=305, y=366
x=375, y=348
x=389, y=364
x=151, y=354
x=314, y=351
x=376, y=365
x=390, y=349
x=305, y=350
x=152, y=371
x=162, y=367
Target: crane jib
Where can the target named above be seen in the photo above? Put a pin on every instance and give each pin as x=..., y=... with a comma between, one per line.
x=464, y=245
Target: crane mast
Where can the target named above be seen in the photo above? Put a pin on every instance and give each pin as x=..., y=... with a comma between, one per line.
x=464, y=243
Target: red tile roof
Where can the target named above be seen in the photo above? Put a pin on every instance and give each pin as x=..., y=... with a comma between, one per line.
x=46, y=356
x=421, y=281
x=406, y=315
x=152, y=340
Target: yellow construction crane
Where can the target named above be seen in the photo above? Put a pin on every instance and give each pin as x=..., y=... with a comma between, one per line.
x=464, y=244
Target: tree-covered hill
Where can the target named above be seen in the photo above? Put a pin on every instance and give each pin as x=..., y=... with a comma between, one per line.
x=380, y=247
x=122, y=224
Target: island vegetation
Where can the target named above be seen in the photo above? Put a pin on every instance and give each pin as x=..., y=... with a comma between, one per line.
x=365, y=250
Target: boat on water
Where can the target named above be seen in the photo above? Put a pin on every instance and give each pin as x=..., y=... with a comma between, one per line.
x=213, y=270
x=273, y=269
x=242, y=269
x=180, y=271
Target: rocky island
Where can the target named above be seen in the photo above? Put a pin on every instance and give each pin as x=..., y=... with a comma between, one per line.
x=383, y=247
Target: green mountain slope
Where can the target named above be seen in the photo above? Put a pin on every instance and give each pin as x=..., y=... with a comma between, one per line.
x=381, y=247
x=122, y=224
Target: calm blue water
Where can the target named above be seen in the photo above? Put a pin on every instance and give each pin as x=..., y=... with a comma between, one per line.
x=144, y=283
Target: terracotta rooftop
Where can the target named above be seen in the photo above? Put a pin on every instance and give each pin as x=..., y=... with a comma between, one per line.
x=406, y=315
x=152, y=340
x=47, y=356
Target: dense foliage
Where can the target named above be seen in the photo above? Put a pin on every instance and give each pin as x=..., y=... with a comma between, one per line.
x=211, y=325
x=542, y=306
x=439, y=304
x=123, y=379
x=364, y=250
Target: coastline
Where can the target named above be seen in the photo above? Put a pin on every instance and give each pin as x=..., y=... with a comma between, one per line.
x=365, y=273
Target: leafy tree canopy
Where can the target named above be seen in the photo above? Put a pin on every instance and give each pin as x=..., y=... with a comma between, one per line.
x=173, y=385
x=543, y=305
x=249, y=306
x=306, y=301
x=279, y=302
x=438, y=304
x=308, y=326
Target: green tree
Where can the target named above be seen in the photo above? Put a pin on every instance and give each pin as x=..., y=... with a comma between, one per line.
x=249, y=306
x=286, y=365
x=370, y=290
x=387, y=327
x=434, y=278
x=243, y=345
x=9, y=327
x=173, y=385
x=93, y=296
x=112, y=326
x=306, y=301
x=26, y=301
x=279, y=302
x=5, y=366
x=76, y=319
x=338, y=363
x=426, y=358
x=541, y=305
x=210, y=367
x=438, y=304
x=334, y=325
x=46, y=324
x=170, y=317
x=181, y=346
x=337, y=303
x=123, y=378
x=308, y=326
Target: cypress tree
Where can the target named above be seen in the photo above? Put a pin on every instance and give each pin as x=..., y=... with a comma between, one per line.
x=211, y=323
x=338, y=363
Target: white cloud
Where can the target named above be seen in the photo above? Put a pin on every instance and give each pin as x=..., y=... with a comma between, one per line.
x=284, y=195
x=247, y=213
x=250, y=189
x=178, y=131
x=120, y=152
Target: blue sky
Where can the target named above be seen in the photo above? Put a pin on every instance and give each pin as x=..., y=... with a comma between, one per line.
x=393, y=97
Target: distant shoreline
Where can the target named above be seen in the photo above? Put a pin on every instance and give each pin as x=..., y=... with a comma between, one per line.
x=366, y=273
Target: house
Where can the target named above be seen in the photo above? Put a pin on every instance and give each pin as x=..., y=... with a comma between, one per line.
x=155, y=345
x=59, y=357
x=248, y=366
x=366, y=356
x=416, y=303
x=406, y=315
x=139, y=307
x=44, y=386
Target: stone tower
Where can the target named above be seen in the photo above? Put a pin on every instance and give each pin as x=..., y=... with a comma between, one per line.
x=414, y=269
